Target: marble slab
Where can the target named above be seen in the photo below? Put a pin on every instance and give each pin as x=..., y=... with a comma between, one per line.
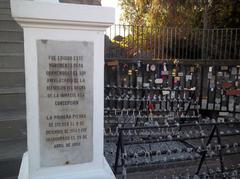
x=65, y=74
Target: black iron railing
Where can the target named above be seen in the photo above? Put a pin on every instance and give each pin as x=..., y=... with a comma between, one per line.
x=126, y=41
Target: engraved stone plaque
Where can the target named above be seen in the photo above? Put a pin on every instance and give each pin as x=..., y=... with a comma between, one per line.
x=65, y=74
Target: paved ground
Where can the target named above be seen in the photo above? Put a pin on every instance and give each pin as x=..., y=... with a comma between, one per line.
x=180, y=169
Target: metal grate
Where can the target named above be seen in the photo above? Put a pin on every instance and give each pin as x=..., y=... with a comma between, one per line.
x=126, y=41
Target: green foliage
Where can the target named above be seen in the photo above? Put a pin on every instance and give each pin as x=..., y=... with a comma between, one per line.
x=181, y=13
x=224, y=14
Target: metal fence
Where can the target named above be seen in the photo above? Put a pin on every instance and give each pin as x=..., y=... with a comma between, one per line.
x=127, y=42
x=172, y=133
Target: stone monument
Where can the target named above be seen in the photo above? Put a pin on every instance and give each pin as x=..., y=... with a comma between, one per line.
x=64, y=67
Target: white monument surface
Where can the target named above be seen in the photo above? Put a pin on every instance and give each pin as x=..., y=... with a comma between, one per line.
x=64, y=69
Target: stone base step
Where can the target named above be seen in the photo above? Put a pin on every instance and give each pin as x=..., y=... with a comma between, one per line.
x=12, y=130
x=11, y=78
x=6, y=17
x=12, y=90
x=11, y=61
x=13, y=177
x=12, y=102
x=12, y=115
x=12, y=97
x=9, y=169
x=10, y=157
x=11, y=35
x=5, y=4
x=10, y=70
x=11, y=47
x=5, y=1
x=5, y=11
x=9, y=25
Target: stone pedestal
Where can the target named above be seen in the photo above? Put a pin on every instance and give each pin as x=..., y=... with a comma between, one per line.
x=64, y=67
